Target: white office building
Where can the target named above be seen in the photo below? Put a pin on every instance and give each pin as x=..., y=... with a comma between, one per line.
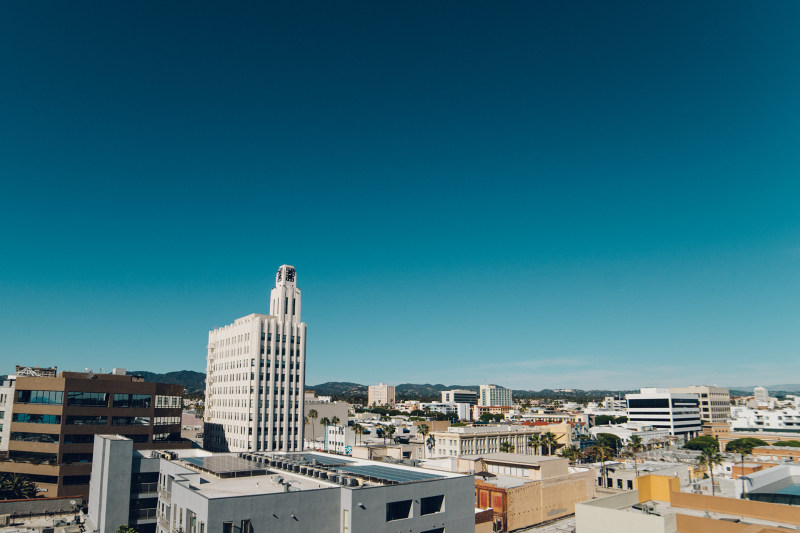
x=6, y=410
x=460, y=396
x=715, y=402
x=491, y=395
x=775, y=420
x=660, y=408
x=255, y=376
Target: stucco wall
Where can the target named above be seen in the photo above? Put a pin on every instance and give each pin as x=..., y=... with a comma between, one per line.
x=605, y=516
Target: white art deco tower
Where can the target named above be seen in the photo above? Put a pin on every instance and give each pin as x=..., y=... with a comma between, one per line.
x=255, y=376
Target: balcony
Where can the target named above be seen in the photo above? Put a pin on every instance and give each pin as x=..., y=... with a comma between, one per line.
x=142, y=514
x=144, y=488
x=164, y=494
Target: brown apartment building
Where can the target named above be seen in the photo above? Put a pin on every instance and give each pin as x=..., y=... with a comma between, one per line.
x=54, y=421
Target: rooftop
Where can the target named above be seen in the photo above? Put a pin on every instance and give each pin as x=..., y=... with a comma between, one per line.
x=517, y=458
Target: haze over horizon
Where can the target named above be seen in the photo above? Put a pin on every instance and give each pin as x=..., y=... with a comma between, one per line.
x=538, y=195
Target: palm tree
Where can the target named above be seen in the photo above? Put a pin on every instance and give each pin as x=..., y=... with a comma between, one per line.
x=16, y=487
x=325, y=421
x=335, y=421
x=743, y=447
x=709, y=457
x=312, y=415
x=388, y=432
x=634, y=446
x=423, y=430
x=572, y=453
x=604, y=453
x=359, y=429
x=535, y=441
x=506, y=447
x=430, y=443
x=549, y=439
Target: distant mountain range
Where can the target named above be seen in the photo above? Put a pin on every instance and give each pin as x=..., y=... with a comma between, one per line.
x=193, y=382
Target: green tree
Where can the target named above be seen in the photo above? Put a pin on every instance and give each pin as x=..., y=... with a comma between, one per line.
x=325, y=421
x=535, y=441
x=15, y=486
x=610, y=440
x=743, y=447
x=572, y=453
x=710, y=457
x=701, y=443
x=791, y=443
x=388, y=432
x=312, y=415
x=430, y=443
x=634, y=446
x=487, y=417
x=335, y=421
x=359, y=429
x=550, y=440
x=603, y=453
x=506, y=447
x=126, y=529
x=423, y=430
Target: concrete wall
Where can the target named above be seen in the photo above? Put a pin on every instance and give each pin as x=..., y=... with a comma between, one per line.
x=40, y=506
x=745, y=508
x=698, y=524
x=110, y=485
x=657, y=488
x=538, y=502
x=605, y=516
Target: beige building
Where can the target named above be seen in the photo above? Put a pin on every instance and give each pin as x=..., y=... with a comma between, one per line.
x=524, y=490
x=659, y=507
x=715, y=402
x=380, y=395
x=470, y=440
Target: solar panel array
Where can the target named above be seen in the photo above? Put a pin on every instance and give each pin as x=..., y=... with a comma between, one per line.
x=385, y=473
x=323, y=460
x=227, y=465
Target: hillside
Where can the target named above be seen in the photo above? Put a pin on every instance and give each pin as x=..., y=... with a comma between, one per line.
x=193, y=382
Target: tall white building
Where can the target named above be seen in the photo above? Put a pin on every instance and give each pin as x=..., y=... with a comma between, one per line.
x=380, y=395
x=255, y=376
x=761, y=394
x=494, y=395
x=677, y=412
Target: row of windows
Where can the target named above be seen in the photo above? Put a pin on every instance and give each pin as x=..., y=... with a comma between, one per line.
x=47, y=397
x=402, y=509
x=168, y=401
x=27, y=418
x=34, y=437
x=166, y=420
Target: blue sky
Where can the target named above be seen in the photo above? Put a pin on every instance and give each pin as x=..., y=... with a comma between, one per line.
x=536, y=194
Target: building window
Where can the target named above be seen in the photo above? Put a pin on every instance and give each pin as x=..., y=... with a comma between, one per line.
x=87, y=420
x=133, y=400
x=130, y=420
x=50, y=397
x=87, y=399
x=27, y=418
x=34, y=437
x=432, y=504
x=398, y=510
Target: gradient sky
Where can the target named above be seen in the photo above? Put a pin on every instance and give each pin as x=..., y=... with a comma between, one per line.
x=537, y=194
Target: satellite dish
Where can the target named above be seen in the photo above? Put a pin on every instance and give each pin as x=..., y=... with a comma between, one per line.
x=73, y=502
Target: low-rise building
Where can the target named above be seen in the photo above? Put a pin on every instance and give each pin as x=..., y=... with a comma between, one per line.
x=524, y=490
x=54, y=421
x=625, y=431
x=659, y=507
x=623, y=475
x=471, y=440
x=339, y=439
x=777, y=453
x=460, y=396
x=478, y=410
x=200, y=492
x=760, y=419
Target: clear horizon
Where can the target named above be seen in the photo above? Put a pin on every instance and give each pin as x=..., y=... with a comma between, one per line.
x=538, y=195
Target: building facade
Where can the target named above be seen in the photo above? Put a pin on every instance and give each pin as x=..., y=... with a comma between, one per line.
x=660, y=408
x=481, y=440
x=491, y=395
x=380, y=395
x=255, y=376
x=460, y=396
x=6, y=411
x=715, y=402
x=54, y=421
x=282, y=492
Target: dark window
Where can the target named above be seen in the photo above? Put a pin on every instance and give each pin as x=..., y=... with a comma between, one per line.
x=133, y=400
x=34, y=456
x=87, y=420
x=77, y=457
x=649, y=403
x=437, y=530
x=137, y=438
x=630, y=484
x=87, y=399
x=27, y=418
x=685, y=402
x=38, y=478
x=398, y=510
x=431, y=505
x=130, y=420
x=34, y=437
x=76, y=480
x=50, y=397
x=78, y=439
